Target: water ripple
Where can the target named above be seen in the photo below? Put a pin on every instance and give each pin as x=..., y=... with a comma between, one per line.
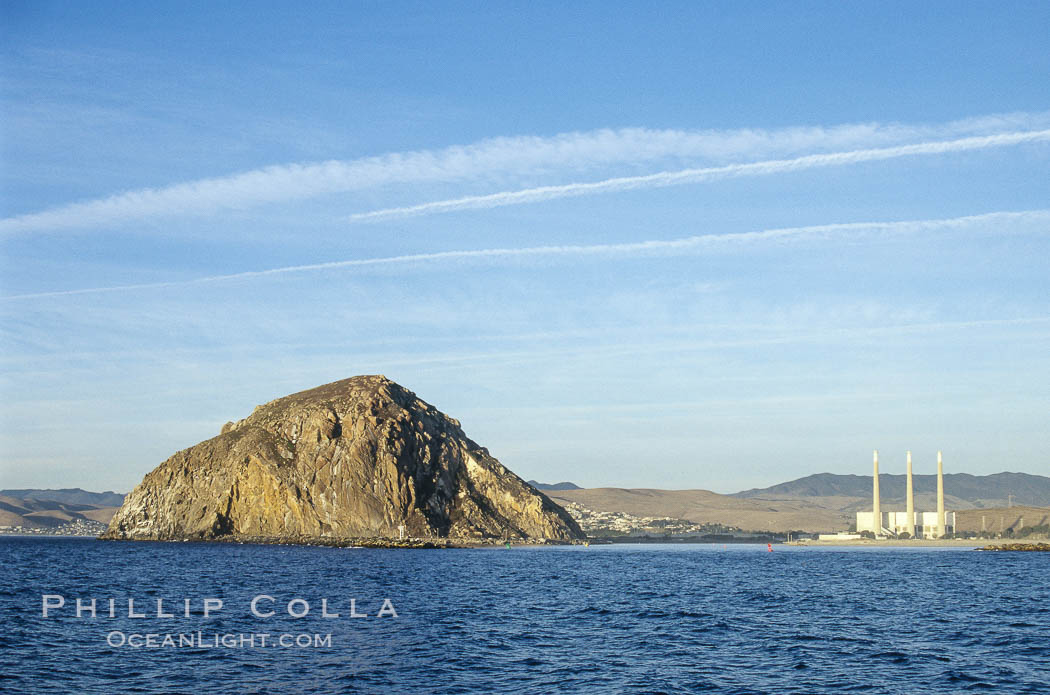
x=623, y=619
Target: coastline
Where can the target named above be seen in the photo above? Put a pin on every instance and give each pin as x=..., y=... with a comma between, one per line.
x=913, y=543
x=48, y=535
x=340, y=542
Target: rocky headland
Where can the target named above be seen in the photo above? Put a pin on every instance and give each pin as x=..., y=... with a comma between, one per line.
x=362, y=458
x=1020, y=547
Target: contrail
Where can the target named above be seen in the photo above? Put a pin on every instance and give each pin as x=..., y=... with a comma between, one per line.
x=676, y=178
x=658, y=246
x=571, y=153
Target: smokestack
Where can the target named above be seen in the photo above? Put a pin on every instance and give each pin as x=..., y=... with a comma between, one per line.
x=940, y=495
x=909, y=521
x=876, y=509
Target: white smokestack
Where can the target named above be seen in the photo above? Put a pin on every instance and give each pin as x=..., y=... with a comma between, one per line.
x=940, y=495
x=909, y=521
x=876, y=508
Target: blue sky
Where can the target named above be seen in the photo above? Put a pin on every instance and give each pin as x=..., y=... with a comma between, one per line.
x=712, y=245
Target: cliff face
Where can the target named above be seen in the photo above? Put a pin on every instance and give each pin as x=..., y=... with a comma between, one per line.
x=354, y=458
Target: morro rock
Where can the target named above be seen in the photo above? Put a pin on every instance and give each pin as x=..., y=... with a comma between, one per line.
x=357, y=458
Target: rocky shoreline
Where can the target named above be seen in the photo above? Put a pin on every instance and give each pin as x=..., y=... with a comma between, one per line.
x=339, y=542
x=1020, y=547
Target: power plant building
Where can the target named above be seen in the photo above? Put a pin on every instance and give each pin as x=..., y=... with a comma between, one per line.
x=896, y=523
x=915, y=524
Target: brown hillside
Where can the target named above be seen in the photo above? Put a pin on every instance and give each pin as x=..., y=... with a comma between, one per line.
x=997, y=520
x=704, y=506
x=102, y=514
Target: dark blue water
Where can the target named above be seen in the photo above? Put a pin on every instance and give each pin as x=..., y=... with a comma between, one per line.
x=632, y=619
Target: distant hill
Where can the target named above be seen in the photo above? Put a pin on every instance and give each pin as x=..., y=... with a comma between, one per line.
x=34, y=513
x=827, y=501
x=962, y=490
x=554, y=486
x=706, y=507
x=999, y=520
x=69, y=496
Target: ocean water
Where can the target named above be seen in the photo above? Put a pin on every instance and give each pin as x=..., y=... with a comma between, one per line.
x=603, y=619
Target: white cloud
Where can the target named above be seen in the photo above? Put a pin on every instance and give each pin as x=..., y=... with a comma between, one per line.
x=684, y=176
x=492, y=159
x=691, y=244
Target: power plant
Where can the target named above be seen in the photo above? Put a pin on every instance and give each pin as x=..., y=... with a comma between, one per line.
x=915, y=524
